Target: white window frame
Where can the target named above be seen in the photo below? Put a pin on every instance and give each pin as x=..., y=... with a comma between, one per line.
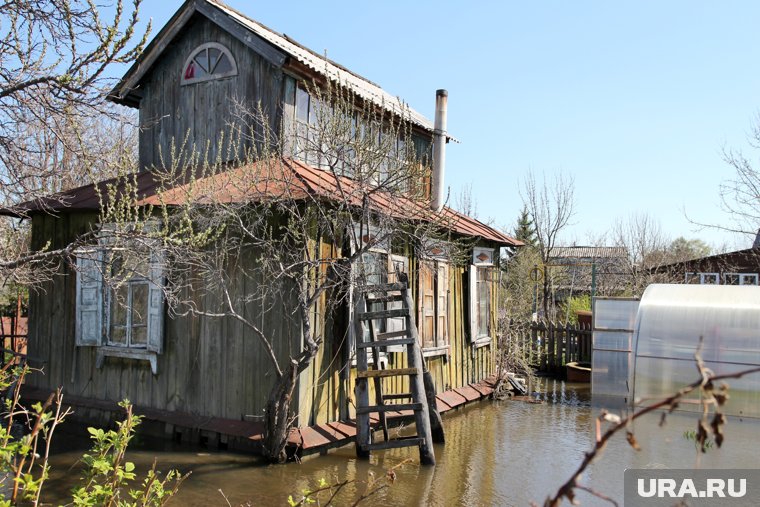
x=94, y=304
x=481, y=258
x=742, y=277
x=208, y=77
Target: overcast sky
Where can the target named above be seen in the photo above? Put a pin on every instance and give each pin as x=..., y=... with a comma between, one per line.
x=635, y=101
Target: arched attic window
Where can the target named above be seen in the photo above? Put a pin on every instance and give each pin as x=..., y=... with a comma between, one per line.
x=208, y=61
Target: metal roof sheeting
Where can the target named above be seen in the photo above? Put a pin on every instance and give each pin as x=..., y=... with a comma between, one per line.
x=259, y=182
x=364, y=88
x=588, y=252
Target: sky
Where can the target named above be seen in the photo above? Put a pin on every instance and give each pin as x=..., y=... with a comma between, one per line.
x=635, y=101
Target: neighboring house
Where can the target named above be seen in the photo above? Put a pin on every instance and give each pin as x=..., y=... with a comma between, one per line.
x=741, y=267
x=578, y=270
x=183, y=85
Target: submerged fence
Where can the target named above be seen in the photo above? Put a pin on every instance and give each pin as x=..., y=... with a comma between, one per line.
x=549, y=346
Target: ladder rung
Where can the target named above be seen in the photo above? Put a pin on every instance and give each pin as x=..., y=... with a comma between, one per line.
x=393, y=444
x=385, y=299
x=385, y=343
x=392, y=372
x=383, y=287
x=399, y=396
x=391, y=334
x=384, y=314
x=389, y=408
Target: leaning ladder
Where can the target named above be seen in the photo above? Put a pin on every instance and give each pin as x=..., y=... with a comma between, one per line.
x=364, y=318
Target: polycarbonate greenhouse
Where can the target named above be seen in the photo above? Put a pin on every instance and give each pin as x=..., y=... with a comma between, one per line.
x=669, y=322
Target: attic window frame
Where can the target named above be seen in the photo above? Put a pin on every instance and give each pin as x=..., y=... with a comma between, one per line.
x=208, y=77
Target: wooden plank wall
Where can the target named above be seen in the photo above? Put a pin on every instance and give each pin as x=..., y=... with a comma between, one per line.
x=170, y=112
x=210, y=366
x=326, y=395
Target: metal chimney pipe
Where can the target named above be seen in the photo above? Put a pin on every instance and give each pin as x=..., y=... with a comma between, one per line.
x=439, y=150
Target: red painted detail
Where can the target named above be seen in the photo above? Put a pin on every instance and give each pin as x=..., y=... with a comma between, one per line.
x=190, y=71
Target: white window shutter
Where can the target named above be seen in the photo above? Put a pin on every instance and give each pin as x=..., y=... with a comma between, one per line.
x=473, y=303
x=156, y=302
x=89, y=303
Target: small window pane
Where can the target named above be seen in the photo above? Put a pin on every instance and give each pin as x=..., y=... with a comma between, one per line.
x=710, y=279
x=302, y=105
x=731, y=279
x=119, y=335
x=119, y=306
x=140, y=336
x=223, y=66
x=139, y=303
x=213, y=59
x=750, y=279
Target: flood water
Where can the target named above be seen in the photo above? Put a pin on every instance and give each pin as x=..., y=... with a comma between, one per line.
x=496, y=454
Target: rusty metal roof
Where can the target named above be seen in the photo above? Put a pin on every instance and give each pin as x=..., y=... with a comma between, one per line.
x=259, y=182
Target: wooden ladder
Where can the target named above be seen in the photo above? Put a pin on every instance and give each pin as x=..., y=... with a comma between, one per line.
x=364, y=318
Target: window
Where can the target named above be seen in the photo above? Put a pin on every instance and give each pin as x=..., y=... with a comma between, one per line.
x=703, y=278
x=207, y=62
x=119, y=303
x=480, y=296
x=433, y=303
x=740, y=279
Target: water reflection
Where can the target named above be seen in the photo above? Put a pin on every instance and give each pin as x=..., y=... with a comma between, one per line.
x=497, y=453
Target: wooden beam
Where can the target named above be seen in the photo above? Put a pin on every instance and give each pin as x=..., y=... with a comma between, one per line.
x=393, y=372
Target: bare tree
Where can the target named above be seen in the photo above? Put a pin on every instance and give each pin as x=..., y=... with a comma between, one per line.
x=643, y=239
x=56, y=131
x=276, y=246
x=551, y=205
x=465, y=203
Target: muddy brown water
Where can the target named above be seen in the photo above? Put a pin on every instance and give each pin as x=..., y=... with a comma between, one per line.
x=496, y=454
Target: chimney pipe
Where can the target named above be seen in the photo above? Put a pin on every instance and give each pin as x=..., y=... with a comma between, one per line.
x=439, y=150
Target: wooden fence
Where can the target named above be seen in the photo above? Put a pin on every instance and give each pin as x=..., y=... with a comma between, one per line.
x=548, y=347
x=13, y=335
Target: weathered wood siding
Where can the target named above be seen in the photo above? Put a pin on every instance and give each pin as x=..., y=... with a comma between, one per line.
x=327, y=391
x=210, y=366
x=199, y=113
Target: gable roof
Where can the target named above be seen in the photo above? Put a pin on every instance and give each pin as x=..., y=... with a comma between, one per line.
x=273, y=46
x=257, y=182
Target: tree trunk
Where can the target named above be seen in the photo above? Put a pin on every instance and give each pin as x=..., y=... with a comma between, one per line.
x=278, y=415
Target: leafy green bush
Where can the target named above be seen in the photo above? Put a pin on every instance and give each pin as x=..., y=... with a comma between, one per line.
x=108, y=480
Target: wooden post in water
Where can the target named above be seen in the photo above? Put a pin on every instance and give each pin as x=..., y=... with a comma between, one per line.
x=417, y=385
x=361, y=389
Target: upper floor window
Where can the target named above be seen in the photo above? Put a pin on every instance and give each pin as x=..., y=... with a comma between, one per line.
x=208, y=61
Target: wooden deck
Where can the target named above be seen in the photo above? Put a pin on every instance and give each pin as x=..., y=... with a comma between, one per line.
x=246, y=435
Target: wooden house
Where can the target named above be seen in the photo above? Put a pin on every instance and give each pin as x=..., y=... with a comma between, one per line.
x=183, y=85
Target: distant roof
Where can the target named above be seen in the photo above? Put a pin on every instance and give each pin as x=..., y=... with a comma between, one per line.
x=588, y=252
x=319, y=64
x=284, y=178
x=739, y=261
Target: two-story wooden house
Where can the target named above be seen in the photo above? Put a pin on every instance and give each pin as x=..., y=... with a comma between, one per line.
x=205, y=59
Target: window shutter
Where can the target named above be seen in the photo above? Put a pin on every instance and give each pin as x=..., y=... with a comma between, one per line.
x=442, y=302
x=89, y=303
x=473, y=303
x=156, y=303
